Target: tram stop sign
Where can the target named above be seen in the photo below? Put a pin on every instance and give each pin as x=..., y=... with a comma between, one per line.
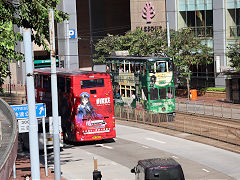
x=21, y=112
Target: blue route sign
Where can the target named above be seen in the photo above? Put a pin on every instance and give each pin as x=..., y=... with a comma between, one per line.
x=21, y=111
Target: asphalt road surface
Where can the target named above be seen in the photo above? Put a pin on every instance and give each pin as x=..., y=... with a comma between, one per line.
x=116, y=158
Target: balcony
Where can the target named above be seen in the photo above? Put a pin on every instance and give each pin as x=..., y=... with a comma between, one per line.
x=235, y=31
x=202, y=31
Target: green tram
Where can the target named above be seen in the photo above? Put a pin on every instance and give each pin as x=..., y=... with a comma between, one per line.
x=143, y=82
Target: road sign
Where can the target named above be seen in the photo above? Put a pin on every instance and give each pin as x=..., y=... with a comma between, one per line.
x=72, y=34
x=23, y=125
x=21, y=111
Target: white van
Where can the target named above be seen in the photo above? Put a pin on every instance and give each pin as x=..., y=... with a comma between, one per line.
x=24, y=137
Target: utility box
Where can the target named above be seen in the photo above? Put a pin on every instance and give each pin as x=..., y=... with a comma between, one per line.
x=158, y=169
x=229, y=92
x=236, y=90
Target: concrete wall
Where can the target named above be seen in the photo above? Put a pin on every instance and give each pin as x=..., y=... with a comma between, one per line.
x=68, y=6
x=9, y=143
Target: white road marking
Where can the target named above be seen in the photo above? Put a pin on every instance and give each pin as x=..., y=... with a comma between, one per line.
x=205, y=170
x=150, y=139
x=101, y=145
x=145, y=147
x=175, y=157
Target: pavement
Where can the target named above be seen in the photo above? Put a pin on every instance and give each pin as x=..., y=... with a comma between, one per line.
x=23, y=168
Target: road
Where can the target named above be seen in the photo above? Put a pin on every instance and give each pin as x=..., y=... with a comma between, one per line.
x=115, y=159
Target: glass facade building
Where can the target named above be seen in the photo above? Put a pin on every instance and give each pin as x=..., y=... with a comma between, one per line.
x=215, y=22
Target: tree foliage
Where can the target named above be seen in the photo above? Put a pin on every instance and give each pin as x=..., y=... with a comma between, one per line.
x=31, y=14
x=234, y=55
x=185, y=49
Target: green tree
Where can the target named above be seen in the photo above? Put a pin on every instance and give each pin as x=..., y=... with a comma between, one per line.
x=234, y=55
x=26, y=14
x=185, y=49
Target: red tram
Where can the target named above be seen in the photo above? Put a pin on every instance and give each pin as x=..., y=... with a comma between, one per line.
x=85, y=101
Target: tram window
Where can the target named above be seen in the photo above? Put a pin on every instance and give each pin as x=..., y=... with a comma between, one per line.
x=121, y=68
x=127, y=67
x=137, y=68
x=133, y=94
x=162, y=93
x=68, y=85
x=151, y=67
x=128, y=93
x=123, y=92
x=153, y=94
x=161, y=67
x=117, y=69
x=170, y=93
x=61, y=84
x=47, y=82
x=92, y=83
x=132, y=66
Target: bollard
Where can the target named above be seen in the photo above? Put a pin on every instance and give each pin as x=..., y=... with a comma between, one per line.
x=96, y=173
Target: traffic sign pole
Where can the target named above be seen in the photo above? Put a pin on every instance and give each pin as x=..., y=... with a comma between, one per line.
x=56, y=139
x=45, y=146
x=33, y=124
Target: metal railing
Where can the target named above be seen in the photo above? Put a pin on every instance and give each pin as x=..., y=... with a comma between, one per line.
x=210, y=108
x=9, y=143
x=235, y=31
x=202, y=31
x=201, y=126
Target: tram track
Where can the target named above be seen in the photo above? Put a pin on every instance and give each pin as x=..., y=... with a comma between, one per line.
x=212, y=119
x=221, y=132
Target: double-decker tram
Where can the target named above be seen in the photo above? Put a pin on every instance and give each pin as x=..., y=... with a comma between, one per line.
x=85, y=101
x=143, y=82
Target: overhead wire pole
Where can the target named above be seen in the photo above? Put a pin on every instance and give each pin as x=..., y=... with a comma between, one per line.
x=91, y=34
x=56, y=140
x=168, y=31
x=33, y=124
x=67, y=46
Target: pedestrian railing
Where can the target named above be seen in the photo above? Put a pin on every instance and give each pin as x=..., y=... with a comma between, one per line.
x=198, y=125
x=216, y=109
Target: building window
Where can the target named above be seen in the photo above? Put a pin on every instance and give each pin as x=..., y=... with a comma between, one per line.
x=234, y=14
x=198, y=15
